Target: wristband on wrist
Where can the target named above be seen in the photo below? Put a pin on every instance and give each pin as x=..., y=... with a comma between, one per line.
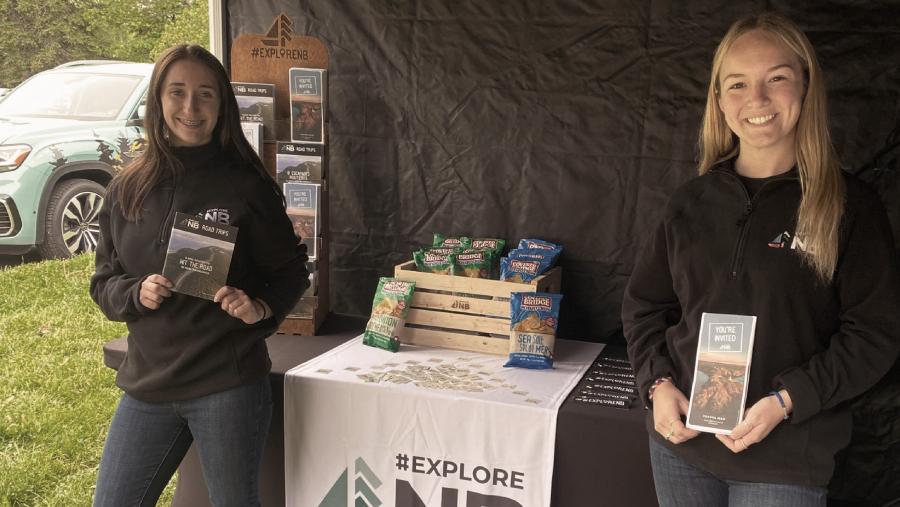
x=777, y=396
x=657, y=383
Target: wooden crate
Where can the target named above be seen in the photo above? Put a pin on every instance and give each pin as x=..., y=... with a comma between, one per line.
x=457, y=312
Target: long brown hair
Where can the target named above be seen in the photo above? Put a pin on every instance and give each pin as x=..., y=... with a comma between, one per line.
x=158, y=160
x=822, y=204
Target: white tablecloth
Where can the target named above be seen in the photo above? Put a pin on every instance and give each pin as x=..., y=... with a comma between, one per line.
x=424, y=426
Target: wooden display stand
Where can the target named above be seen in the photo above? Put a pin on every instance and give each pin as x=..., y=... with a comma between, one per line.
x=267, y=58
x=457, y=312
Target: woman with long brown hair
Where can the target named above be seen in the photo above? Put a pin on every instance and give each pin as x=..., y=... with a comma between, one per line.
x=771, y=228
x=195, y=370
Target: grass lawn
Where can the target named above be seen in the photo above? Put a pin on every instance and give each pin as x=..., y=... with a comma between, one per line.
x=56, y=396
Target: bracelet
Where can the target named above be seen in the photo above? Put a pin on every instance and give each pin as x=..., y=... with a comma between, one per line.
x=657, y=383
x=777, y=395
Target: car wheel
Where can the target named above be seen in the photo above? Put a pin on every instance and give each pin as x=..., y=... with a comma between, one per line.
x=72, y=223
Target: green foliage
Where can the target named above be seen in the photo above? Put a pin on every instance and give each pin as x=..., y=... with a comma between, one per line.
x=56, y=396
x=191, y=27
x=39, y=34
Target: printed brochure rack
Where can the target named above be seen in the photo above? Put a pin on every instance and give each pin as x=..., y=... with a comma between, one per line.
x=254, y=64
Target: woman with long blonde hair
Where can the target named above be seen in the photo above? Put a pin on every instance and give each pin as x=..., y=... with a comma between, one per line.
x=771, y=229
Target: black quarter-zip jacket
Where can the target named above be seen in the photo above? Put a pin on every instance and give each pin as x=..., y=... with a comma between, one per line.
x=189, y=347
x=719, y=250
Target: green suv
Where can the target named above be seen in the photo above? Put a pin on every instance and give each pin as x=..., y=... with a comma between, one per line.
x=64, y=133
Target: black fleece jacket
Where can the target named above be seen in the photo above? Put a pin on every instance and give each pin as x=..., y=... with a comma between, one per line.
x=718, y=250
x=189, y=347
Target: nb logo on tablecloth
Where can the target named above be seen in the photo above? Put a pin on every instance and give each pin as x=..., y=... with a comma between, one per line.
x=365, y=484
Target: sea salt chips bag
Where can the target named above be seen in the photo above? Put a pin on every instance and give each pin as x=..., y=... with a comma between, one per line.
x=389, y=309
x=534, y=317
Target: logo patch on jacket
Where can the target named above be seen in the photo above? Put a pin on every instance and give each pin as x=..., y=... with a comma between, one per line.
x=782, y=239
x=220, y=215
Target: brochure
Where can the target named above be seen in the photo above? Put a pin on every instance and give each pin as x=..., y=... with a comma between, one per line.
x=722, y=367
x=256, y=104
x=307, y=105
x=199, y=255
x=298, y=162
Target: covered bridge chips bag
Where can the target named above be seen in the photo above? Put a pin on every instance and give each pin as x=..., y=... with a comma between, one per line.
x=532, y=329
x=539, y=244
x=429, y=261
x=522, y=270
x=475, y=263
x=389, y=309
x=443, y=241
x=495, y=245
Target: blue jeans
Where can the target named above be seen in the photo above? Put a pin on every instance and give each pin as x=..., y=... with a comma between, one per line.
x=147, y=441
x=680, y=484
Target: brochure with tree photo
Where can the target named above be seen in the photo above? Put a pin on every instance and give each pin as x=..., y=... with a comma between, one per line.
x=719, y=392
x=199, y=255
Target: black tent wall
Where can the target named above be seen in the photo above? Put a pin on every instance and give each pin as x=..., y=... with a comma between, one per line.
x=571, y=121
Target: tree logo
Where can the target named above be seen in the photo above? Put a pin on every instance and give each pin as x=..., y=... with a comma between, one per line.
x=280, y=32
x=365, y=484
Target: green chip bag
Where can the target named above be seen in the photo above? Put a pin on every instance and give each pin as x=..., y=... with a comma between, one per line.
x=442, y=250
x=389, y=309
x=475, y=263
x=438, y=263
x=492, y=244
x=444, y=241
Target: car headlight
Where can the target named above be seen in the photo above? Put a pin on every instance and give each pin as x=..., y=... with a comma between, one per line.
x=12, y=156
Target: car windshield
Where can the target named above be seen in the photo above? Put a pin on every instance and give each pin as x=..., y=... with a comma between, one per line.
x=79, y=96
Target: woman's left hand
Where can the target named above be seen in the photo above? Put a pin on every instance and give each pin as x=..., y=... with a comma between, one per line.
x=759, y=421
x=239, y=305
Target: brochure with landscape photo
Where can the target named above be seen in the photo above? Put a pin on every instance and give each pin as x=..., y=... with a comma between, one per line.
x=302, y=199
x=722, y=367
x=298, y=162
x=256, y=103
x=307, y=89
x=199, y=255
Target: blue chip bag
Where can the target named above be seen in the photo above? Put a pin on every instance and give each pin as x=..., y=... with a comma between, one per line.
x=532, y=254
x=522, y=270
x=534, y=317
x=539, y=244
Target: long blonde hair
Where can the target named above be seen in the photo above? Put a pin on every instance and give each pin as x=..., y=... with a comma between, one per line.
x=821, y=183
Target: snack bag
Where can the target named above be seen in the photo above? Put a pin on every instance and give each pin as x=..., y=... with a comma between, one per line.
x=428, y=262
x=534, y=317
x=443, y=241
x=539, y=244
x=475, y=263
x=389, y=309
x=532, y=254
x=521, y=270
x=495, y=245
x=441, y=250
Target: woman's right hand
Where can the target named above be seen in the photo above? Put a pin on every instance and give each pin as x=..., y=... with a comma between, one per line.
x=669, y=404
x=154, y=290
